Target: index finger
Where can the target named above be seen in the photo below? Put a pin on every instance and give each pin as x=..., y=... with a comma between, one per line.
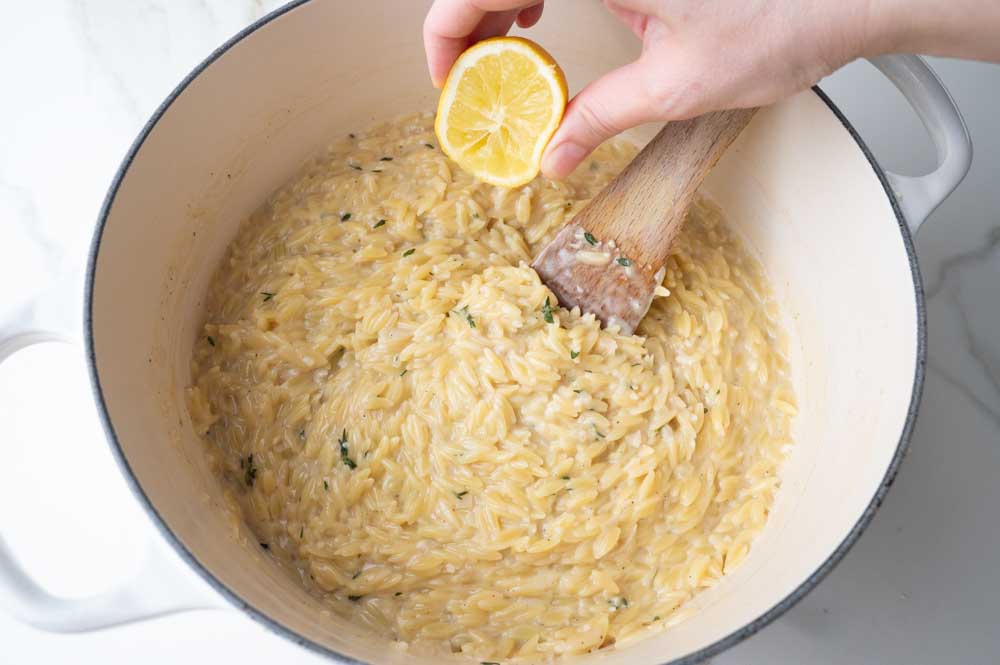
x=452, y=25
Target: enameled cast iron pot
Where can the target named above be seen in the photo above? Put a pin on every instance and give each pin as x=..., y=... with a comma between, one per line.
x=832, y=228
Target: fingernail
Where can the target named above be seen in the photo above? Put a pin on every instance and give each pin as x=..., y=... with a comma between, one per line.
x=559, y=161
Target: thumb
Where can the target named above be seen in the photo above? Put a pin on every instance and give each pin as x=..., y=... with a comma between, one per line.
x=608, y=106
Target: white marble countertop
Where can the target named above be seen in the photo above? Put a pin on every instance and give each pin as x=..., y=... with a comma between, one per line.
x=79, y=79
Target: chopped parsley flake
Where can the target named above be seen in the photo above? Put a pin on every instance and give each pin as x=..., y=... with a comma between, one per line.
x=398, y=594
x=352, y=135
x=573, y=355
x=344, y=452
x=354, y=599
x=547, y=311
x=429, y=146
x=379, y=223
x=302, y=531
x=564, y=477
x=249, y=470
x=622, y=261
x=488, y=662
x=267, y=295
x=356, y=575
x=464, y=311
x=326, y=486
x=211, y=341
x=403, y=373
x=461, y=494
x=265, y=546
x=409, y=251
x=589, y=238
x=346, y=216
x=656, y=618
x=386, y=159
x=302, y=434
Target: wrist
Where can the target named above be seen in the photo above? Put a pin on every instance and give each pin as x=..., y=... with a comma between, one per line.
x=887, y=26
x=955, y=28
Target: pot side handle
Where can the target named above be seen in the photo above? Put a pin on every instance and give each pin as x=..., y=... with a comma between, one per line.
x=159, y=588
x=919, y=196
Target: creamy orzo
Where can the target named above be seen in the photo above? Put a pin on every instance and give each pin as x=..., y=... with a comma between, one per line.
x=452, y=462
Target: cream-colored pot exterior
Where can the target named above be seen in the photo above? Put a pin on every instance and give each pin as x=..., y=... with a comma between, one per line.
x=797, y=185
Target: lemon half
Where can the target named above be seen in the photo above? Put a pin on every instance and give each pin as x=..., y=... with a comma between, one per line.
x=502, y=102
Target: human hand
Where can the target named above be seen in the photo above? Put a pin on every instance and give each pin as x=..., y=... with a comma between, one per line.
x=697, y=56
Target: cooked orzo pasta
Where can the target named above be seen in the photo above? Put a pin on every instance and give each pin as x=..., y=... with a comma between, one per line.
x=404, y=415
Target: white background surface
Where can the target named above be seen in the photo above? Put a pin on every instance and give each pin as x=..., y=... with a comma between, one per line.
x=78, y=80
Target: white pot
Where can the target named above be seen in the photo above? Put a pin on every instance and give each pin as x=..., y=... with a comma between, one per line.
x=799, y=186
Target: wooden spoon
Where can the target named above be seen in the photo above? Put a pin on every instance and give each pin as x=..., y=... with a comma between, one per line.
x=609, y=259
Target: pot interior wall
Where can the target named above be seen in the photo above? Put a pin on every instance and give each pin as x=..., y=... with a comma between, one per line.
x=796, y=187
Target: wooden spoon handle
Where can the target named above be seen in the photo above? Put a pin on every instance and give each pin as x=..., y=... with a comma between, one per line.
x=643, y=209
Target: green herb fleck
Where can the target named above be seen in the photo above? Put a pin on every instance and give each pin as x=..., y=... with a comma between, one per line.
x=573, y=355
x=398, y=594
x=352, y=135
x=302, y=531
x=547, y=311
x=589, y=238
x=265, y=546
x=618, y=603
x=706, y=409
x=356, y=575
x=461, y=494
x=464, y=311
x=302, y=434
x=354, y=599
x=622, y=261
x=599, y=435
x=326, y=486
x=564, y=477
x=346, y=216
x=656, y=618
x=578, y=391
x=403, y=373
x=379, y=223
x=386, y=159
x=249, y=470
x=429, y=146
x=211, y=341
x=488, y=662
x=344, y=451
x=409, y=251
x=355, y=167
x=267, y=295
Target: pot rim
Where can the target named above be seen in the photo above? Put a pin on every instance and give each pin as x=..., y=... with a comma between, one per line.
x=720, y=645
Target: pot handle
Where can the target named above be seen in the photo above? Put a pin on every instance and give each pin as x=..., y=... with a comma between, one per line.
x=159, y=588
x=919, y=196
